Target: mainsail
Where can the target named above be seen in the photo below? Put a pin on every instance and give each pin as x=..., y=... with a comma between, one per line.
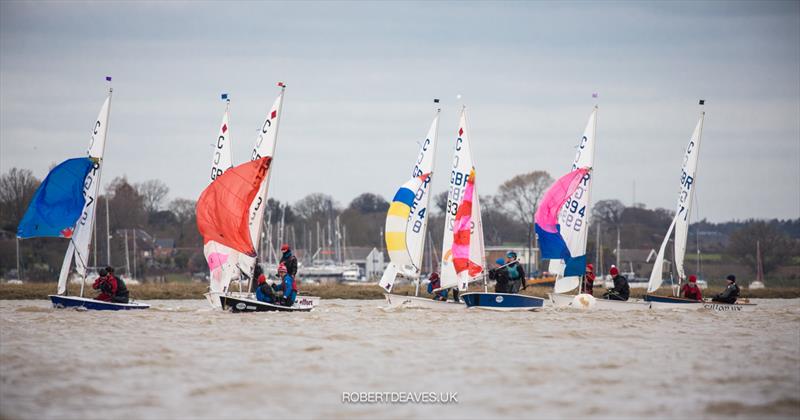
x=222, y=209
x=222, y=260
x=81, y=236
x=681, y=221
x=462, y=166
x=684, y=206
x=264, y=147
x=574, y=216
x=409, y=249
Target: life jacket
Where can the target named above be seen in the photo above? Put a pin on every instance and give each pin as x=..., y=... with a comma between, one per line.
x=513, y=271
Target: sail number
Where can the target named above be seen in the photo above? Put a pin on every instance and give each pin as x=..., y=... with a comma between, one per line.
x=574, y=211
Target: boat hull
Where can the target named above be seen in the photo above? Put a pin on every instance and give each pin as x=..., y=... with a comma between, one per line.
x=92, y=304
x=301, y=302
x=668, y=302
x=560, y=300
x=394, y=301
x=502, y=301
x=237, y=304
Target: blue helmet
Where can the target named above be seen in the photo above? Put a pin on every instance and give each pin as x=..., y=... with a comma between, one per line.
x=511, y=254
x=500, y=261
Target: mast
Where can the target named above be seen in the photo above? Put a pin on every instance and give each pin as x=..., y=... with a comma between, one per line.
x=134, y=253
x=19, y=273
x=108, y=234
x=127, y=256
x=265, y=149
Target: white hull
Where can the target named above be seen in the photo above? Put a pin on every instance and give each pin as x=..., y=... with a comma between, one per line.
x=566, y=301
x=394, y=301
x=302, y=301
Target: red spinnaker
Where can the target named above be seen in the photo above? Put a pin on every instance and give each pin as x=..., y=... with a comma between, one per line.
x=223, y=207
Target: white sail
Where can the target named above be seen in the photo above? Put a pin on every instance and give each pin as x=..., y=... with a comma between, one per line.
x=264, y=146
x=222, y=259
x=658, y=266
x=684, y=207
x=82, y=235
x=574, y=216
x=459, y=173
x=418, y=224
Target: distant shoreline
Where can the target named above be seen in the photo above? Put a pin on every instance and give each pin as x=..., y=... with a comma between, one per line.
x=195, y=290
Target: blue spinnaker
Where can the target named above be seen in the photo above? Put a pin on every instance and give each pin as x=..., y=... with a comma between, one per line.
x=58, y=202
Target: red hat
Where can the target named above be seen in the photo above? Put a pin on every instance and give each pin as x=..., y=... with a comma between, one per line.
x=284, y=247
x=262, y=279
x=434, y=276
x=613, y=271
x=692, y=279
x=589, y=267
x=282, y=267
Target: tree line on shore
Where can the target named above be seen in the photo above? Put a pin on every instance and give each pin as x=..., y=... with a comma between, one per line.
x=167, y=239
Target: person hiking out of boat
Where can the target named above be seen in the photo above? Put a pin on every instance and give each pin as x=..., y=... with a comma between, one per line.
x=287, y=285
x=731, y=292
x=515, y=273
x=112, y=289
x=588, y=280
x=288, y=259
x=434, y=282
x=621, y=289
x=264, y=291
x=500, y=277
x=690, y=289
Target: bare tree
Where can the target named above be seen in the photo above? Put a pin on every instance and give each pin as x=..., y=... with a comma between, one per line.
x=777, y=248
x=520, y=195
x=153, y=192
x=608, y=212
x=17, y=187
x=316, y=206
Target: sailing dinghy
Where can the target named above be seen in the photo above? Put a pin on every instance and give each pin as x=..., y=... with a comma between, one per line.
x=463, y=251
x=225, y=263
x=223, y=211
x=680, y=224
x=407, y=225
x=64, y=206
x=573, y=218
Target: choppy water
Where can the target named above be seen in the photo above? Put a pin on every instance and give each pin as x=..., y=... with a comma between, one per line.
x=182, y=360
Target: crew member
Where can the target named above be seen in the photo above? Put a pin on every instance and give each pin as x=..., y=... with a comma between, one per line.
x=287, y=285
x=500, y=276
x=621, y=289
x=112, y=288
x=515, y=273
x=289, y=260
x=690, y=289
x=731, y=292
x=264, y=292
x=588, y=280
x=434, y=282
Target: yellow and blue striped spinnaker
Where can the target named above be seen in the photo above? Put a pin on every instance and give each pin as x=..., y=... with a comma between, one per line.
x=397, y=222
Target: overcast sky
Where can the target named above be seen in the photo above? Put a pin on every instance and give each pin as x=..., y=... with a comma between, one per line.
x=361, y=78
